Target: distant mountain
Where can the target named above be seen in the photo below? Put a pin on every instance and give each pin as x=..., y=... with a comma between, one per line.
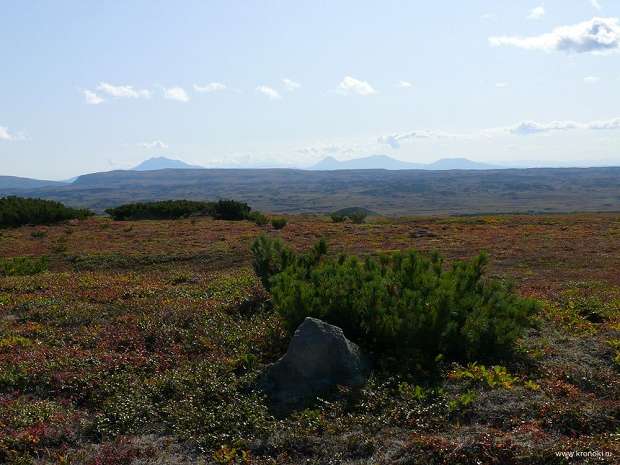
x=383, y=162
x=460, y=164
x=163, y=163
x=373, y=162
x=14, y=182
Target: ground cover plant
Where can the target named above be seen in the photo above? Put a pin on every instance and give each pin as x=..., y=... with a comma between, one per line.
x=18, y=211
x=147, y=350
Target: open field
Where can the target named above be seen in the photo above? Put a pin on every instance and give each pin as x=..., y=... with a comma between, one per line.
x=143, y=341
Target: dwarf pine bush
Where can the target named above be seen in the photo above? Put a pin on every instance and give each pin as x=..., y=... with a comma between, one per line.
x=278, y=223
x=19, y=211
x=404, y=305
x=160, y=210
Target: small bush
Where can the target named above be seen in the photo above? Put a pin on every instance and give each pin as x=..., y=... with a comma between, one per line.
x=358, y=217
x=403, y=306
x=22, y=266
x=278, y=223
x=337, y=217
x=271, y=257
x=163, y=210
x=19, y=211
x=231, y=210
x=258, y=218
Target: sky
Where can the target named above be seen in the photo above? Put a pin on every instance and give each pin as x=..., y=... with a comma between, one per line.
x=90, y=86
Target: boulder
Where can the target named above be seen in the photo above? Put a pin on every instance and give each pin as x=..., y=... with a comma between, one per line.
x=319, y=358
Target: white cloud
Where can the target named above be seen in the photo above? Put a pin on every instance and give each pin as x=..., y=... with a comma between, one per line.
x=269, y=92
x=598, y=35
x=6, y=135
x=92, y=98
x=591, y=79
x=596, y=4
x=532, y=127
x=502, y=85
x=210, y=87
x=352, y=85
x=394, y=140
x=537, y=13
x=176, y=93
x=123, y=91
x=290, y=85
x=156, y=144
x=609, y=124
x=525, y=128
x=404, y=84
x=488, y=17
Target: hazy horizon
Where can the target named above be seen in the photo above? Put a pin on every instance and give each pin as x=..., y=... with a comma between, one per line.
x=96, y=87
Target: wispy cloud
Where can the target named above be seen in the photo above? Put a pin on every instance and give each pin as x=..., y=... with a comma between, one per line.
x=598, y=35
x=537, y=13
x=502, y=85
x=527, y=128
x=351, y=85
x=269, y=92
x=290, y=85
x=394, y=140
x=91, y=97
x=210, y=87
x=123, y=91
x=176, y=93
x=591, y=79
x=524, y=128
x=596, y=4
x=404, y=84
x=156, y=144
x=6, y=135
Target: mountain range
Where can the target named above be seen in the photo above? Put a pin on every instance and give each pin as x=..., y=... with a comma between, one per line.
x=384, y=162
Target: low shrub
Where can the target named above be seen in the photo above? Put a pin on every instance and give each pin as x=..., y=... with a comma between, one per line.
x=337, y=217
x=162, y=210
x=231, y=210
x=403, y=306
x=19, y=211
x=358, y=217
x=270, y=257
x=22, y=266
x=258, y=218
x=278, y=223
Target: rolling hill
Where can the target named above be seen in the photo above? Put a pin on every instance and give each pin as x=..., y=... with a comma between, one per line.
x=397, y=192
x=14, y=182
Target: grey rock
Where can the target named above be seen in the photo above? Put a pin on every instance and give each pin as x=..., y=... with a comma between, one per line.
x=319, y=358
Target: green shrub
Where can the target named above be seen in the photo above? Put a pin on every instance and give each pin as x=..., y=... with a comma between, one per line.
x=162, y=210
x=278, y=223
x=270, y=257
x=337, y=217
x=258, y=218
x=403, y=306
x=19, y=211
x=231, y=210
x=22, y=266
x=358, y=217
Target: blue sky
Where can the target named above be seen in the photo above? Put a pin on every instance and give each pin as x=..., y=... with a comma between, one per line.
x=89, y=86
